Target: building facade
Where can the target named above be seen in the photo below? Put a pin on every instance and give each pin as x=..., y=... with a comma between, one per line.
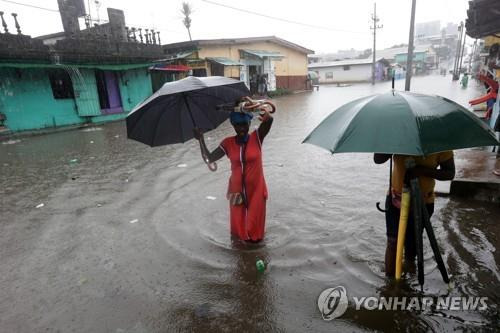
x=81, y=76
x=283, y=63
x=424, y=58
x=36, y=96
x=353, y=70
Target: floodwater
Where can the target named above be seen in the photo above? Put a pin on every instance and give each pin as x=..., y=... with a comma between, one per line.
x=136, y=239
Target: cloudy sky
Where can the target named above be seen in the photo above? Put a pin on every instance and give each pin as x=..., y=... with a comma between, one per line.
x=323, y=26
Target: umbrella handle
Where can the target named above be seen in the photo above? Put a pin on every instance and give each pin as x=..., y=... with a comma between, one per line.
x=380, y=209
x=211, y=166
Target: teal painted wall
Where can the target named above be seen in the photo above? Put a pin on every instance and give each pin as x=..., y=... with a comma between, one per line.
x=27, y=101
x=401, y=58
x=26, y=97
x=109, y=117
x=86, y=96
x=135, y=86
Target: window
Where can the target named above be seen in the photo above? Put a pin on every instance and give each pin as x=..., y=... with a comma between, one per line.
x=61, y=84
x=329, y=75
x=347, y=67
x=200, y=72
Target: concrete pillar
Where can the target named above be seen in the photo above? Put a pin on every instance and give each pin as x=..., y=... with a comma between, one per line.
x=117, y=24
x=70, y=10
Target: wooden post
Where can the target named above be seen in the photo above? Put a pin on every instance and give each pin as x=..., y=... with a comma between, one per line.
x=409, y=57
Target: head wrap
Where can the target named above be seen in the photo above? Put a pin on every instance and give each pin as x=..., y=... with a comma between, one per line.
x=240, y=117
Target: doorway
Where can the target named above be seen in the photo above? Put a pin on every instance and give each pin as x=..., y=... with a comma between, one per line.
x=108, y=90
x=254, y=72
x=216, y=69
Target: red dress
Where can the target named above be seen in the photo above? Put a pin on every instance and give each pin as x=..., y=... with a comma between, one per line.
x=247, y=177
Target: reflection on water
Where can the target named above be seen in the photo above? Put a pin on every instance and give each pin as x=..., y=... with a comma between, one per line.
x=85, y=267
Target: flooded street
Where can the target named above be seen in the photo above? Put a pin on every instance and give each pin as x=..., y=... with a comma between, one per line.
x=136, y=239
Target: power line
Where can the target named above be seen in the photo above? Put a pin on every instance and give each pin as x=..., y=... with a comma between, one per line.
x=281, y=19
x=32, y=6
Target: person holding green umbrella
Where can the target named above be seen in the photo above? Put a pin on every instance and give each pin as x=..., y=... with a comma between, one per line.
x=420, y=131
x=440, y=166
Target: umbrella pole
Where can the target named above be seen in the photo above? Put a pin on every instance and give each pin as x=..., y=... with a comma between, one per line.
x=211, y=166
x=417, y=220
x=189, y=109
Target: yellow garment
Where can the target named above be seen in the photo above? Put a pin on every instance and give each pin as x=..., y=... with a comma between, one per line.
x=426, y=184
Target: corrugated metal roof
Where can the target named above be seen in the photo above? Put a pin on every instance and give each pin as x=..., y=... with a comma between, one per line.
x=180, y=55
x=348, y=62
x=224, y=61
x=391, y=53
x=263, y=53
x=235, y=41
x=171, y=68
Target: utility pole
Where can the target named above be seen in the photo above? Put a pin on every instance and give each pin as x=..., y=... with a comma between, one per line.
x=472, y=56
x=456, y=70
x=375, y=19
x=409, y=58
x=462, y=53
x=98, y=7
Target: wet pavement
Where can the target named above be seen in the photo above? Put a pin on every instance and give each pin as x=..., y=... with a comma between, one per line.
x=136, y=239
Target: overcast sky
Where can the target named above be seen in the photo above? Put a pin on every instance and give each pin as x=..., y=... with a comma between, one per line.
x=328, y=25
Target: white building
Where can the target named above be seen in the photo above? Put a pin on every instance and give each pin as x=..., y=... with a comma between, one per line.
x=352, y=70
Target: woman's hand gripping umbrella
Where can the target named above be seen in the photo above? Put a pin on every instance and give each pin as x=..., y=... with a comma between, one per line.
x=247, y=106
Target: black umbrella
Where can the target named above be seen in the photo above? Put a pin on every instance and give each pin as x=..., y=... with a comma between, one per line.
x=171, y=113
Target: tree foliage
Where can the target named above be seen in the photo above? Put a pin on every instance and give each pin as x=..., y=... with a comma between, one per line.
x=186, y=11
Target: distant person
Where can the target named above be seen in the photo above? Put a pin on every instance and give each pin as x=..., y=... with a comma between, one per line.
x=440, y=166
x=253, y=84
x=262, y=85
x=495, y=125
x=465, y=80
x=247, y=190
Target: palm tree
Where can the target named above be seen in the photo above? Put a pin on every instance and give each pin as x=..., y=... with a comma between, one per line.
x=187, y=11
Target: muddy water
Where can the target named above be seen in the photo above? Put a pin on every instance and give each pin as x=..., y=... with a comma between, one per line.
x=134, y=239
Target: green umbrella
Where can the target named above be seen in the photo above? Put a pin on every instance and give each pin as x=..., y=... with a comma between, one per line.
x=401, y=123
x=408, y=124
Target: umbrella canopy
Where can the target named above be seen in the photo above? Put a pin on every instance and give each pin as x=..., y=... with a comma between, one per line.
x=170, y=114
x=401, y=123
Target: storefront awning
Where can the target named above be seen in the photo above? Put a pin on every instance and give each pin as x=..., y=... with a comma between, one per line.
x=224, y=61
x=262, y=54
x=177, y=56
x=171, y=68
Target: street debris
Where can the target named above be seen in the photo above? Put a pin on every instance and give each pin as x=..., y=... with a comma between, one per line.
x=11, y=142
x=92, y=129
